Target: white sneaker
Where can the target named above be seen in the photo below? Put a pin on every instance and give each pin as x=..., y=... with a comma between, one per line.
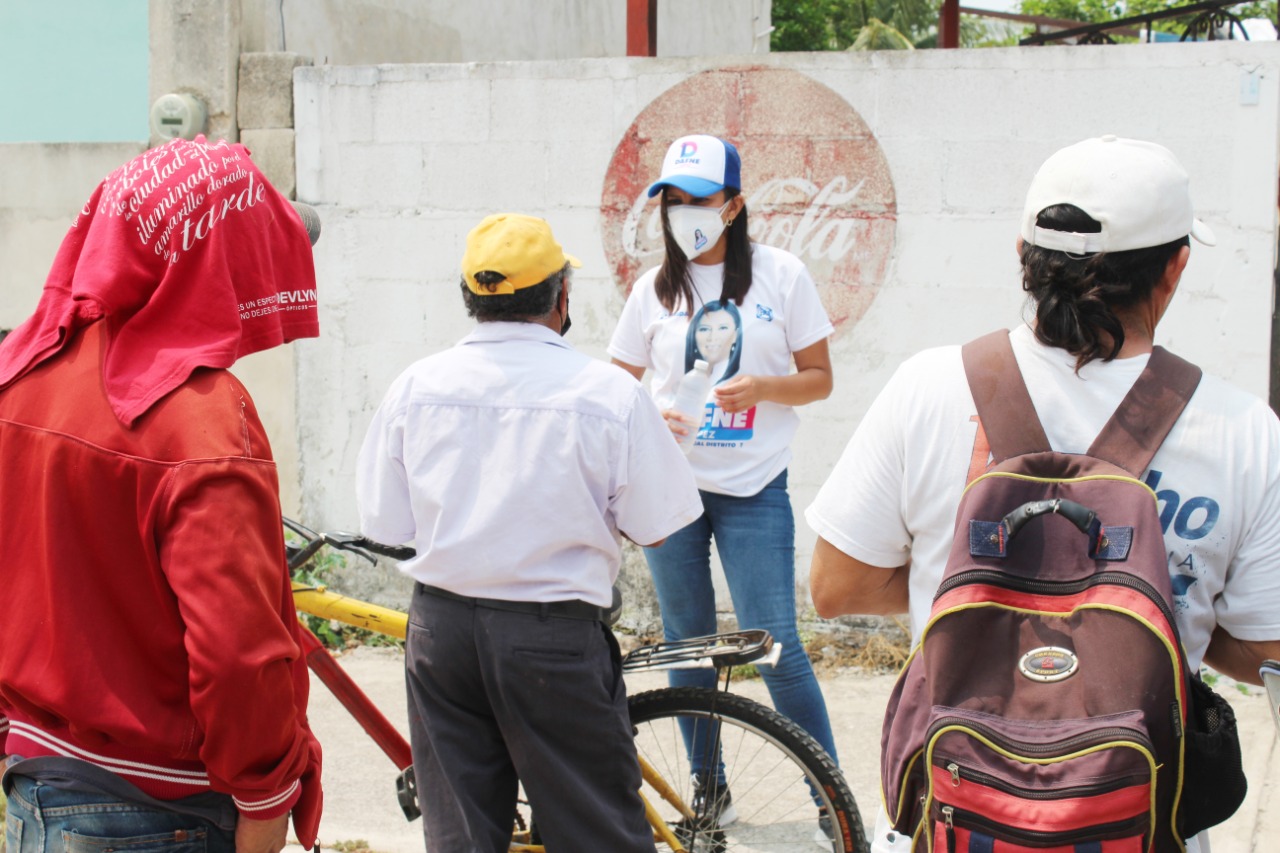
x=825, y=835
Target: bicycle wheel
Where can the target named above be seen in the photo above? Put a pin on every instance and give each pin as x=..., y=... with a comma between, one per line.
x=777, y=776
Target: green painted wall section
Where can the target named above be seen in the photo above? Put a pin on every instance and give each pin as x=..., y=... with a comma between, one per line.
x=73, y=70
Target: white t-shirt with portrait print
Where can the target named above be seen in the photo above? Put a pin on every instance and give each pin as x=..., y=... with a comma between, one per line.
x=740, y=453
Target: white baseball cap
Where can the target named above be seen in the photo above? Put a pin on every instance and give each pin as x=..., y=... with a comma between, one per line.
x=1137, y=190
x=700, y=165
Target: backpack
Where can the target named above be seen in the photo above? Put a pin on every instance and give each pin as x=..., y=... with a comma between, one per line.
x=1045, y=703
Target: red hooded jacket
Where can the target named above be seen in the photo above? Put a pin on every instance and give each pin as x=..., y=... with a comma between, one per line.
x=150, y=627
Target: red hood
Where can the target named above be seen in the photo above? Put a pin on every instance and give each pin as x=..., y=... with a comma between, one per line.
x=192, y=258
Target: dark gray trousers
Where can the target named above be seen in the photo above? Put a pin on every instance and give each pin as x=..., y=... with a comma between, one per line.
x=496, y=697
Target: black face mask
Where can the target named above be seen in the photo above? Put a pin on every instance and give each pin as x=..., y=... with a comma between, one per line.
x=564, y=327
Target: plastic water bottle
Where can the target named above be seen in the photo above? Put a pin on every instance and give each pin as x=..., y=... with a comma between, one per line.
x=691, y=401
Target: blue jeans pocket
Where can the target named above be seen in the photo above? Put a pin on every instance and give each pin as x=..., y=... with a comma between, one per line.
x=45, y=819
x=178, y=841
x=13, y=833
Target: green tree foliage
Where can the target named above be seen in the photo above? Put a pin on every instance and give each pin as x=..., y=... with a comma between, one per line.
x=877, y=35
x=802, y=25
x=1091, y=11
x=1099, y=11
x=840, y=24
x=836, y=24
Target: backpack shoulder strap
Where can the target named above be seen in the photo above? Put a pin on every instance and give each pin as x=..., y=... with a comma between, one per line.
x=1007, y=415
x=1144, y=417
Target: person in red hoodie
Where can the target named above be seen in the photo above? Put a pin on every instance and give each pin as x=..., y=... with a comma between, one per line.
x=152, y=690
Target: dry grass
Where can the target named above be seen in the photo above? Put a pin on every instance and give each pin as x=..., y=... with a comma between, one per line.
x=883, y=651
x=870, y=650
x=357, y=845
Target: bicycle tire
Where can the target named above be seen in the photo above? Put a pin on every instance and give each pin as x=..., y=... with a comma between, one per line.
x=776, y=807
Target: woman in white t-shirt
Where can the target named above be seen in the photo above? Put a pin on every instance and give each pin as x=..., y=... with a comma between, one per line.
x=748, y=310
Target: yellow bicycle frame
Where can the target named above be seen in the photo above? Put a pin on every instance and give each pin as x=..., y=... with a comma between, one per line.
x=318, y=601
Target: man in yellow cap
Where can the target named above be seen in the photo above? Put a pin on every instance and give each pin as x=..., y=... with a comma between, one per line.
x=513, y=463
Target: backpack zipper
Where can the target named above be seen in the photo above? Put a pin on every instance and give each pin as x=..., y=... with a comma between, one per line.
x=1054, y=749
x=1059, y=481
x=950, y=815
x=1007, y=581
x=971, y=775
x=1060, y=749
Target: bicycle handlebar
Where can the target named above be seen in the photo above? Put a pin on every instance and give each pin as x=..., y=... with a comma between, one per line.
x=353, y=542
x=357, y=543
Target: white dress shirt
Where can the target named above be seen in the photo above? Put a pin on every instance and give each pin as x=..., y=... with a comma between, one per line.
x=512, y=462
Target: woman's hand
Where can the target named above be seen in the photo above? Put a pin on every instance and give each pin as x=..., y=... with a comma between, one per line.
x=678, y=423
x=811, y=381
x=742, y=392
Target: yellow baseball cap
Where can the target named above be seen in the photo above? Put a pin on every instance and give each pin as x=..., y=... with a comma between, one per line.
x=519, y=247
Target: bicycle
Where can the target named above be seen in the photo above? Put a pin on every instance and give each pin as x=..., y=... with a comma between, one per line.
x=779, y=779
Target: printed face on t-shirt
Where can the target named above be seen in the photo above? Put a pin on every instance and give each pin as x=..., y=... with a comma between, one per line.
x=715, y=335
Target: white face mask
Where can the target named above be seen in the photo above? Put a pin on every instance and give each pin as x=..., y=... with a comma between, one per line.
x=695, y=229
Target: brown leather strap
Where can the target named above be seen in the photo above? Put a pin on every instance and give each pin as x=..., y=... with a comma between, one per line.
x=1129, y=439
x=1147, y=413
x=1004, y=406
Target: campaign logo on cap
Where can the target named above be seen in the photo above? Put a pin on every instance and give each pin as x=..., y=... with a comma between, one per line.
x=701, y=166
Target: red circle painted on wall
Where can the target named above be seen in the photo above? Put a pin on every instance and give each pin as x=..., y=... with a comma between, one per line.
x=816, y=181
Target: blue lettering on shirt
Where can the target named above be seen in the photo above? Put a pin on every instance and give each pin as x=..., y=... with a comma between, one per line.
x=719, y=425
x=1190, y=519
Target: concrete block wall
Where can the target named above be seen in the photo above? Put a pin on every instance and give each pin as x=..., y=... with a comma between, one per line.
x=403, y=160
x=266, y=89
x=265, y=114
x=42, y=188
x=195, y=49
x=352, y=32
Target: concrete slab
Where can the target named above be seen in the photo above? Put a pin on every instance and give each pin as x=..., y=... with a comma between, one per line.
x=273, y=152
x=265, y=98
x=195, y=49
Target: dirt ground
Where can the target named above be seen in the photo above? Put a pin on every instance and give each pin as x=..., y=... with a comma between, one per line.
x=361, y=812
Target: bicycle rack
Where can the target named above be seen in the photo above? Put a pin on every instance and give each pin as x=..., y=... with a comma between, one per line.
x=715, y=650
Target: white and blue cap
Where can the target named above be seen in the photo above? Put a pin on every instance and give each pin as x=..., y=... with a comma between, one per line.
x=700, y=165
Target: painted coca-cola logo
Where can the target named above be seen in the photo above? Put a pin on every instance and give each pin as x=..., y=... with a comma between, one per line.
x=816, y=181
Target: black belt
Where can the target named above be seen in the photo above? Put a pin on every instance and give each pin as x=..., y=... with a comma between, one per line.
x=563, y=609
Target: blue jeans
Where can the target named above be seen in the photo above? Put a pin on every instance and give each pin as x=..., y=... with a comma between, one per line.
x=755, y=537
x=44, y=819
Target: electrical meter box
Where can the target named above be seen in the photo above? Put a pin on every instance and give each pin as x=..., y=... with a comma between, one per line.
x=176, y=115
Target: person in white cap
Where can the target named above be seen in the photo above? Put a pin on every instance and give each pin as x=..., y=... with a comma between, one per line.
x=1104, y=241
x=513, y=463
x=751, y=312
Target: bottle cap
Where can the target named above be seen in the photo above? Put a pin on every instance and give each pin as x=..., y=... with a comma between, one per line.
x=699, y=364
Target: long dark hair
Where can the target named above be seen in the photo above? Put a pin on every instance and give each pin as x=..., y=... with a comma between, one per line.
x=1077, y=296
x=674, y=286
